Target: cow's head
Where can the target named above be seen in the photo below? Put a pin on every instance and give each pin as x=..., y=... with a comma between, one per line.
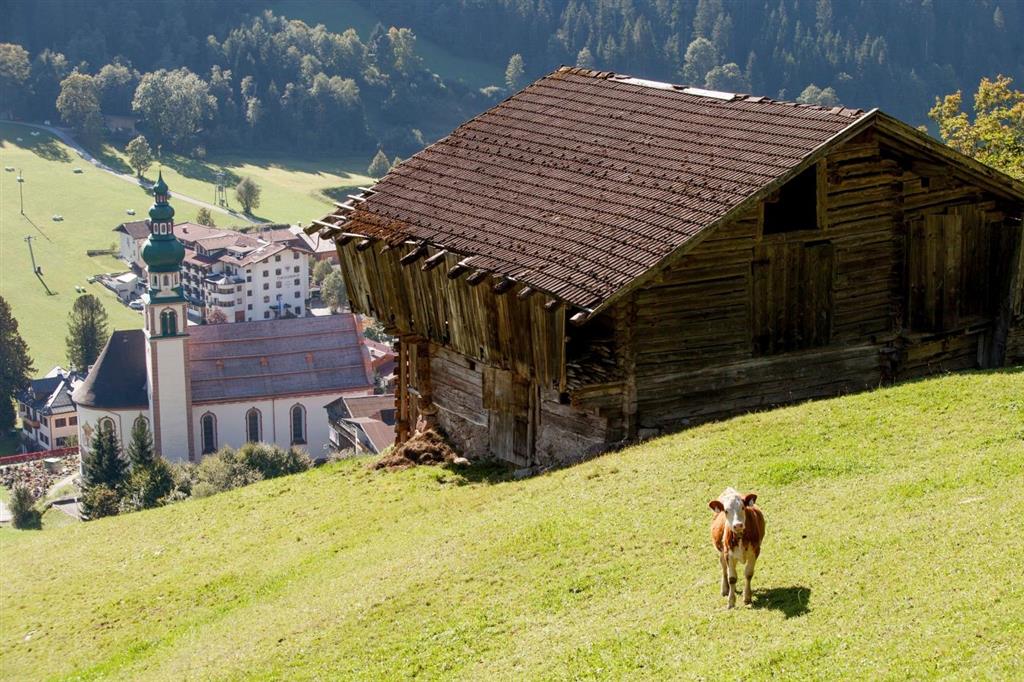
x=734, y=506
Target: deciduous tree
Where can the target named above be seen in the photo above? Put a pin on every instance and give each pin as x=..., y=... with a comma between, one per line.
x=216, y=316
x=175, y=104
x=15, y=364
x=79, y=104
x=996, y=135
x=87, y=331
x=14, y=71
x=321, y=270
x=332, y=291
x=247, y=192
x=205, y=217
x=140, y=155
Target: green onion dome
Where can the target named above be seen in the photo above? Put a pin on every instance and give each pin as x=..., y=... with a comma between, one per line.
x=162, y=251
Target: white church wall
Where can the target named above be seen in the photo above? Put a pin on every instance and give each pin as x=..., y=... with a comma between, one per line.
x=89, y=419
x=276, y=421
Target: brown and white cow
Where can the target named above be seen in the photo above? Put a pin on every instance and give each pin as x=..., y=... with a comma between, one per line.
x=736, y=531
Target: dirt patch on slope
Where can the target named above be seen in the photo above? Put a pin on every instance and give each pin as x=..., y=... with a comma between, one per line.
x=424, y=447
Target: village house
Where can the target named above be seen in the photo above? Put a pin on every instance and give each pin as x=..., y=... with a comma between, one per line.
x=48, y=417
x=364, y=424
x=202, y=387
x=258, y=275
x=601, y=258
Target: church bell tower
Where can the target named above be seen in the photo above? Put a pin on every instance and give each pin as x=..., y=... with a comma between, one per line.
x=166, y=326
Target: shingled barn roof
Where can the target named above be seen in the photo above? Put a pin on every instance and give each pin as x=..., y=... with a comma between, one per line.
x=585, y=180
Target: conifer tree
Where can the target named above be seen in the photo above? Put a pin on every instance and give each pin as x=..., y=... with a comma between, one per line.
x=140, y=447
x=87, y=331
x=103, y=463
x=379, y=166
x=514, y=72
x=15, y=364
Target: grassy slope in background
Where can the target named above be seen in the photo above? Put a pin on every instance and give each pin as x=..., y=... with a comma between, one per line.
x=891, y=536
x=94, y=202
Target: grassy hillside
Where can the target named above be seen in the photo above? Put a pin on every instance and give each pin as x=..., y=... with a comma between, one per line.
x=891, y=537
x=94, y=202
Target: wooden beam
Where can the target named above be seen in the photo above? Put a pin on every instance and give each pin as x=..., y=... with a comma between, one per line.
x=552, y=304
x=414, y=255
x=504, y=285
x=364, y=245
x=476, y=277
x=524, y=293
x=579, y=318
x=434, y=260
x=459, y=268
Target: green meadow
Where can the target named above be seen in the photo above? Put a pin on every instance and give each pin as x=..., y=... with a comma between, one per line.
x=93, y=202
x=890, y=553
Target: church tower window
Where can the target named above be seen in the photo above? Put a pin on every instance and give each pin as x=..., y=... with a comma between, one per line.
x=168, y=323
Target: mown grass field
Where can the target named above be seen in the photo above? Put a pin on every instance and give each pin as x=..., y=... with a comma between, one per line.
x=890, y=554
x=292, y=189
x=94, y=202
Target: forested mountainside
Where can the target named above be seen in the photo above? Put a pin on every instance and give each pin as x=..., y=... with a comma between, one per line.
x=234, y=74
x=896, y=54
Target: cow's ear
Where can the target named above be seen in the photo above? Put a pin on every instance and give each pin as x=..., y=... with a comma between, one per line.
x=749, y=499
x=715, y=505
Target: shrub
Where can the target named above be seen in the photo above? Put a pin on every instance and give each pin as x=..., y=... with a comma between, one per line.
x=98, y=501
x=222, y=471
x=24, y=513
x=148, y=486
x=271, y=461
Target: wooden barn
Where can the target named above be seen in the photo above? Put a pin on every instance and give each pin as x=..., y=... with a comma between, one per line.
x=600, y=258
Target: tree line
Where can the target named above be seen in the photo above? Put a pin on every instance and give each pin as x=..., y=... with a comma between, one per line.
x=898, y=55
x=258, y=82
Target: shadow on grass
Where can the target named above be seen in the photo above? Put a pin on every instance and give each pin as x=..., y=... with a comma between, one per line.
x=43, y=145
x=792, y=601
x=103, y=153
x=195, y=169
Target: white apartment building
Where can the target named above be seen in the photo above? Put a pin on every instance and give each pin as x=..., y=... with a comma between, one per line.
x=259, y=275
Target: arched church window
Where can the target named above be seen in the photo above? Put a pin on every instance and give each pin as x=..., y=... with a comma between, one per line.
x=168, y=323
x=107, y=424
x=165, y=280
x=298, y=415
x=209, y=427
x=141, y=419
x=253, y=425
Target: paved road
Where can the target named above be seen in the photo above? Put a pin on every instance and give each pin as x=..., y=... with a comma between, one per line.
x=65, y=137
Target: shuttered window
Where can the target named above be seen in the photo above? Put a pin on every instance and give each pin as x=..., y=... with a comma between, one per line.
x=792, y=296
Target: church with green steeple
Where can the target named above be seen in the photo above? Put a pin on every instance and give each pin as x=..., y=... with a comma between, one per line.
x=166, y=311
x=162, y=252
x=212, y=385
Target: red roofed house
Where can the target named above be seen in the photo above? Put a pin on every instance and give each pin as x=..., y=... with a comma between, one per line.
x=601, y=258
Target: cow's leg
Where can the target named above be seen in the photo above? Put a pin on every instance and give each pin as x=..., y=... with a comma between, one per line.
x=732, y=580
x=725, y=573
x=748, y=573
